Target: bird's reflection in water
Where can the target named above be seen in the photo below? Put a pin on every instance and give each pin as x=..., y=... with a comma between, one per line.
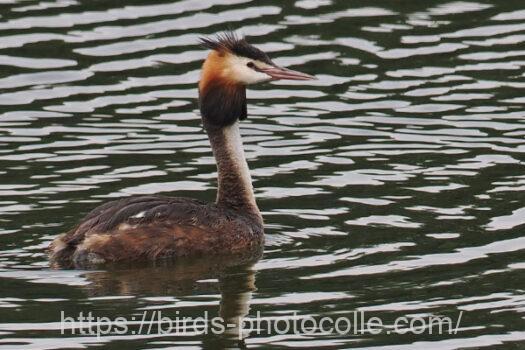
x=236, y=282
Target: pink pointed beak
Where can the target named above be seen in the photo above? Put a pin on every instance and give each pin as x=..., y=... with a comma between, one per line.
x=279, y=73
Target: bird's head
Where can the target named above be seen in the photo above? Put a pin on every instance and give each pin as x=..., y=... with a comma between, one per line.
x=231, y=65
x=235, y=61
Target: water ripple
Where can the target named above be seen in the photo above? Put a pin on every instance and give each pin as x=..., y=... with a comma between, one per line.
x=392, y=184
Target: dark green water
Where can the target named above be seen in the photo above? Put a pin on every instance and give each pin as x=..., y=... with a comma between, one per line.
x=392, y=186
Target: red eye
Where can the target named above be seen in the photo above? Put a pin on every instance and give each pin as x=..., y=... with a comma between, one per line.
x=250, y=65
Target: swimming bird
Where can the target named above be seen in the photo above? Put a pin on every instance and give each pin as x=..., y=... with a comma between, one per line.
x=152, y=227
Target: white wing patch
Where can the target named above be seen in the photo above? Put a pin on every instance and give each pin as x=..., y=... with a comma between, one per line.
x=139, y=215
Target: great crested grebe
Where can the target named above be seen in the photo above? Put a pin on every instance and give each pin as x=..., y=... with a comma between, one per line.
x=151, y=227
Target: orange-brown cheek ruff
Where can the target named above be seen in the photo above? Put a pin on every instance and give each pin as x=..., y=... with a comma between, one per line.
x=212, y=69
x=222, y=100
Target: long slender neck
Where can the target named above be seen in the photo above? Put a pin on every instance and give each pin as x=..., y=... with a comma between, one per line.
x=222, y=104
x=235, y=188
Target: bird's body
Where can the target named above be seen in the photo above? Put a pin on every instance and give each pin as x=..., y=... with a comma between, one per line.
x=151, y=227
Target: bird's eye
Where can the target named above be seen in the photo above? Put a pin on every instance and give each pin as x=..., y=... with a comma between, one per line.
x=250, y=65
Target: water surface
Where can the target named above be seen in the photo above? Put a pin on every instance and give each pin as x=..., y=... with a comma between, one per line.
x=393, y=185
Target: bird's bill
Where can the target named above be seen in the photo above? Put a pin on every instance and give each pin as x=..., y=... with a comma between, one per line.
x=279, y=73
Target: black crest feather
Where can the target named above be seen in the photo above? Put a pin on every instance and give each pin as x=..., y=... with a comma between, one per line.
x=229, y=41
